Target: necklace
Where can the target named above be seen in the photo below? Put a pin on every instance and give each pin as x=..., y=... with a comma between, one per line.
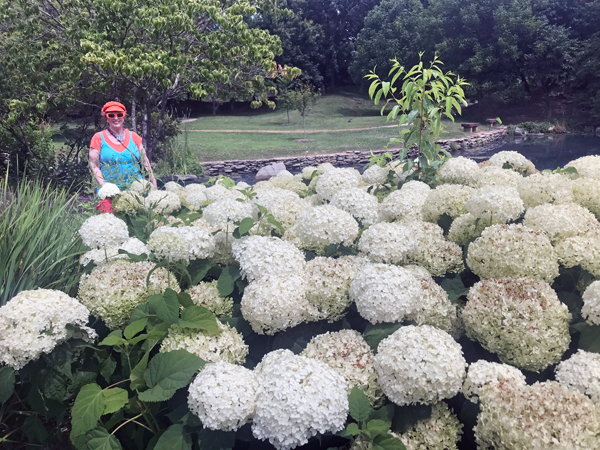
x=120, y=137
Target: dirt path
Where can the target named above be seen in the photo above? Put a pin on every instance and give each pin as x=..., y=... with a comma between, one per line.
x=291, y=131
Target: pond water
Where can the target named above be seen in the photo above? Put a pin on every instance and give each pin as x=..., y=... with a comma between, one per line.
x=548, y=152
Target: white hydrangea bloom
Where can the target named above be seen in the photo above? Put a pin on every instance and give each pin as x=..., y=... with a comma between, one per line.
x=441, y=431
x=581, y=251
x=194, y=187
x=348, y=354
x=324, y=225
x=261, y=256
x=497, y=176
x=228, y=346
x=363, y=206
x=194, y=201
x=517, y=162
x=225, y=212
x=541, y=188
x=276, y=302
x=459, y=170
x=591, y=303
x=223, y=396
x=218, y=192
x=513, y=251
x=521, y=320
x=581, y=372
x=162, y=202
x=104, y=230
x=483, y=373
x=561, y=221
x=375, y=174
x=406, y=203
x=386, y=293
x=286, y=206
x=467, y=228
x=35, y=322
x=557, y=418
x=173, y=186
x=586, y=192
x=389, y=243
x=297, y=398
x=327, y=285
x=587, y=166
x=433, y=251
x=289, y=184
x=114, y=290
x=334, y=180
x=141, y=186
x=307, y=172
x=436, y=310
x=128, y=202
x=324, y=167
x=108, y=190
x=501, y=203
x=182, y=243
x=99, y=257
x=419, y=364
x=206, y=294
x=446, y=199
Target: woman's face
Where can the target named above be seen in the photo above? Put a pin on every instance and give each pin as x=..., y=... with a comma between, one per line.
x=112, y=117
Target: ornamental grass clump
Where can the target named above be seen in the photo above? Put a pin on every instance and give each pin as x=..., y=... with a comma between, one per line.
x=483, y=373
x=581, y=373
x=112, y=291
x=513, y=251
x=297, y=397
x=521, y=320
x=386, y=293
x=223, y=396
x=556, y=418
x=35, y=322
x=419, y=364
x=349, y=355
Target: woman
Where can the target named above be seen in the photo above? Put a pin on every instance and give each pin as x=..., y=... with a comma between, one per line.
x=116, y=154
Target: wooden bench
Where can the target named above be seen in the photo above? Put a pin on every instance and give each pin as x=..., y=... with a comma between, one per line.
x=491, y=122
x=471, y=127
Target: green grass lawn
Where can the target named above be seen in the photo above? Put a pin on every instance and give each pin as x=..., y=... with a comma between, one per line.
x=342, y=110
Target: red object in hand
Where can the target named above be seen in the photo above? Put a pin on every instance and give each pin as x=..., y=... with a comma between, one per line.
x=105, y=206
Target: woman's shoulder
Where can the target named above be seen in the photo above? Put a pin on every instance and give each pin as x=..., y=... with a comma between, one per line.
x=96, y=141
x=136, y=138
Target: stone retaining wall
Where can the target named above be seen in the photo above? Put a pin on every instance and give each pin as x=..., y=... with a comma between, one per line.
x=296, y=163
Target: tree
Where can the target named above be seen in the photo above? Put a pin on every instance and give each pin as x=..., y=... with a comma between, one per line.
x=284, y=78
x=303, y=98
x=142, y=52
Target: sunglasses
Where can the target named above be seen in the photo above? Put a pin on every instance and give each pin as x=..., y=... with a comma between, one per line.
x=113, y=115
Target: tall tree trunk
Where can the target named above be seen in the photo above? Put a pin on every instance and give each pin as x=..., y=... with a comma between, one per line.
x=145, y=130
x=134, y=109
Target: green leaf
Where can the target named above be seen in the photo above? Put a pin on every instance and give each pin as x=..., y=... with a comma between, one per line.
x=589, y=339
x=101, y=439
x=387, y=442
x=166, y=306
x=114, y=399
x=139, y=313
x=385, y=414
x=199, y=318
x=198, y=269
x=114, y=338
x=135, y=327
x=226, y=282
x=385, y=87
x=137, y=373
x=445, y=222
x=168, y=372
x=7, y=383
x=246, y=225
x=277, y=224
x=454, y=287
x=185, y=299
x=174, y=438
x=378, y=426
x=34, y=429
x=351, y=430
x=360, y=406
x=107, y=367
x=374, y=334
x=87, y=410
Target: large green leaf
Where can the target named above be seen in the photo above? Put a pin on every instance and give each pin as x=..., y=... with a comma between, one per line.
x=360, y=406
x=199, y=318
x=7, y=383
x=198, y=269
x=226, y=282
x=114, y=399
x=387, y=442
x=87, y=410
x=454, y=287
x=135, y=327
x=166, y=306
x=374, y=334
x=174, y=438
x=168, y=372
x=589, y=339
x=100, y=439
x=137, y=373
x=34, y=429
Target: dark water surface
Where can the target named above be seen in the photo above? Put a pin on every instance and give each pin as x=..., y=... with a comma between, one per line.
x=545, y=152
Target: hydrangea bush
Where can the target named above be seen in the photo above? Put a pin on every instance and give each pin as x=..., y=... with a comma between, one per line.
x=325, y=309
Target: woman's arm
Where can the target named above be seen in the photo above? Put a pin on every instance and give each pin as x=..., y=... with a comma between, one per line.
x=94, y=157
x=148, y=167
